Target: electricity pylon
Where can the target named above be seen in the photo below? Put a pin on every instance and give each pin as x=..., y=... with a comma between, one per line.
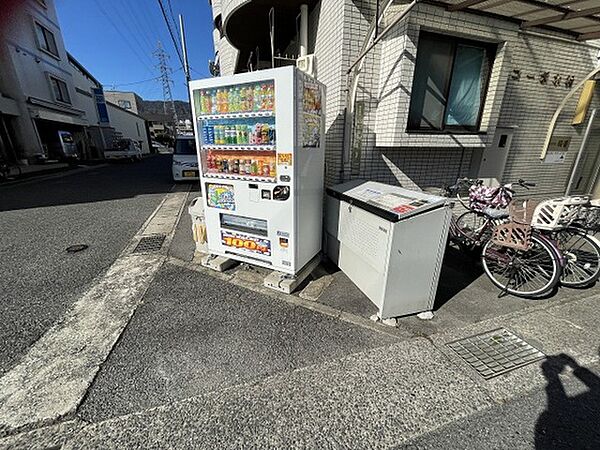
x=165, y=78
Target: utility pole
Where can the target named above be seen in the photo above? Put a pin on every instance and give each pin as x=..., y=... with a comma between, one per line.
x=186, y=64
x=165, y=78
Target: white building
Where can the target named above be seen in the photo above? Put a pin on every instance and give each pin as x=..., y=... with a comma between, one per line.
x=36, y=81
x=126, y=100
x=44, y=90
x=451, y=88
x=129, y=125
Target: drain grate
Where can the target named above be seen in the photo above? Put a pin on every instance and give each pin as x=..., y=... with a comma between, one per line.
x=495, y=352
x=149, y=244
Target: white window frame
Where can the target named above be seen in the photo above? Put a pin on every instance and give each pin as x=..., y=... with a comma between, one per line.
x=62, y=80
x=40, y=45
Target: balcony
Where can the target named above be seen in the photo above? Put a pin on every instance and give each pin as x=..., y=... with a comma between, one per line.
x=246, y=25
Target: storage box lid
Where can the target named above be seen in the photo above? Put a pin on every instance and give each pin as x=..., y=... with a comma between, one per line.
x=392, y=203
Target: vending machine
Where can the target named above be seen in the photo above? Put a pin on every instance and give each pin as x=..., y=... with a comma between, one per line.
x=260, y=140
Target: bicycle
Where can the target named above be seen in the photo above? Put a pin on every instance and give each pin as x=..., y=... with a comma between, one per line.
x=520, y=260
x=541, y=237
x=9, y=172
x=486, y=209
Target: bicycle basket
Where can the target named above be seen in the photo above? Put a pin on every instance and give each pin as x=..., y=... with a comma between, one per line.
x=512, y=234
x=589, y=217
x=516, y=233
x=557, y=213
x=522, y=211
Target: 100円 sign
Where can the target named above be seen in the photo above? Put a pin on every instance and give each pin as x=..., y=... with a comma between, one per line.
x=243, y=241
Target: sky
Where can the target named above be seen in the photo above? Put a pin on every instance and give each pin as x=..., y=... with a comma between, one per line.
x=114, y=40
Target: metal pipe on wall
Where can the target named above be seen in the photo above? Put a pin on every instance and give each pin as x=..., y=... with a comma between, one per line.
x=584, y=141
x=353, y=73
x=560, y=108
x=303, y=30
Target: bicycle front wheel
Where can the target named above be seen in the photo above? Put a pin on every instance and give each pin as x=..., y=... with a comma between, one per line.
x=582, y=255
x=527, y=273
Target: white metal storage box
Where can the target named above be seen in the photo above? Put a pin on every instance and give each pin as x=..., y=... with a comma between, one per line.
x=389, y=241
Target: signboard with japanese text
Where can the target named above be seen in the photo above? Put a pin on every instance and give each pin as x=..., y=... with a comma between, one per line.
x=245, y=242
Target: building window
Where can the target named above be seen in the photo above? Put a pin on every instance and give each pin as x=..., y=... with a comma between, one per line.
x=450, y=82
x=46, y=41
x=125, y=104
x=60, y=90
x=137, y=126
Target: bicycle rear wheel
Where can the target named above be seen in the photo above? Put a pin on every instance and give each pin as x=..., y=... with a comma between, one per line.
x=527, y=273
x=582, y=255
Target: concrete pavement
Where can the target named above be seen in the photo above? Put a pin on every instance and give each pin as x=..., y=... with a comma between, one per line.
x=409, y=393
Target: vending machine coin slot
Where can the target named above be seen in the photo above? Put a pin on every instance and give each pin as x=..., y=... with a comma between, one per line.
x=266, y=194
x=285, y=178
x=254, y=193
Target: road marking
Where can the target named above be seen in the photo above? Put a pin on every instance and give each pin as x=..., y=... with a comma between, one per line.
x=52, y=378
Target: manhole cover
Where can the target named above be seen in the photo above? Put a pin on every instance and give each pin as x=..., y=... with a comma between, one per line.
x=149, y=244
x=76, y=248
x=495, y=352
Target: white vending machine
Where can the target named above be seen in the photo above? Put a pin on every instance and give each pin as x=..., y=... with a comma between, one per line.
x=260, y=140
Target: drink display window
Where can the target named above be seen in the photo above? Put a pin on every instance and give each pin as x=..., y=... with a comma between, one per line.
x=238, y=131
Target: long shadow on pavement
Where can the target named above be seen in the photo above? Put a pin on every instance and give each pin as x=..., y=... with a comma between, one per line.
x=569, y=422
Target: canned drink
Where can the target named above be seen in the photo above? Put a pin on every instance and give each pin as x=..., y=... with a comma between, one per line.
x=272, y=135
x=211, y=134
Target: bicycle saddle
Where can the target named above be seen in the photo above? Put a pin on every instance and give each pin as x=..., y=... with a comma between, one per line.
x=493, y=213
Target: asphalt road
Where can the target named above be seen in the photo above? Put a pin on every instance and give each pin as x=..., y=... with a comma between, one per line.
x=102, y=207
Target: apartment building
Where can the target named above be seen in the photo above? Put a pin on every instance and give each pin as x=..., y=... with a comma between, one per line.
x=434, y=90
x=126, y=100
x=36, y=82
x=44, y=90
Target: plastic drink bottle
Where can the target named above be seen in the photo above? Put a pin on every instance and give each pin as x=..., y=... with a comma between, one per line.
x=256, y=100
x=213, y=102
x=272, y=171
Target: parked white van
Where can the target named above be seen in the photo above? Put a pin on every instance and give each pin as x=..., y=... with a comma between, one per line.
x=124, y=149
x=185, y=160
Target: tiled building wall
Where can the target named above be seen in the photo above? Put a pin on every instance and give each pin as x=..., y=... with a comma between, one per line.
x=338, y=29
x=391, y=155
x=530, y=103
x=227, y=56
x=382, y=107
x=326, y=36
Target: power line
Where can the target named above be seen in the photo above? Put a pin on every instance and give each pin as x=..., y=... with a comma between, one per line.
x=145, y=32
x=164, y=13
x=173, y=19
x=142, y=81
x=118, y=30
